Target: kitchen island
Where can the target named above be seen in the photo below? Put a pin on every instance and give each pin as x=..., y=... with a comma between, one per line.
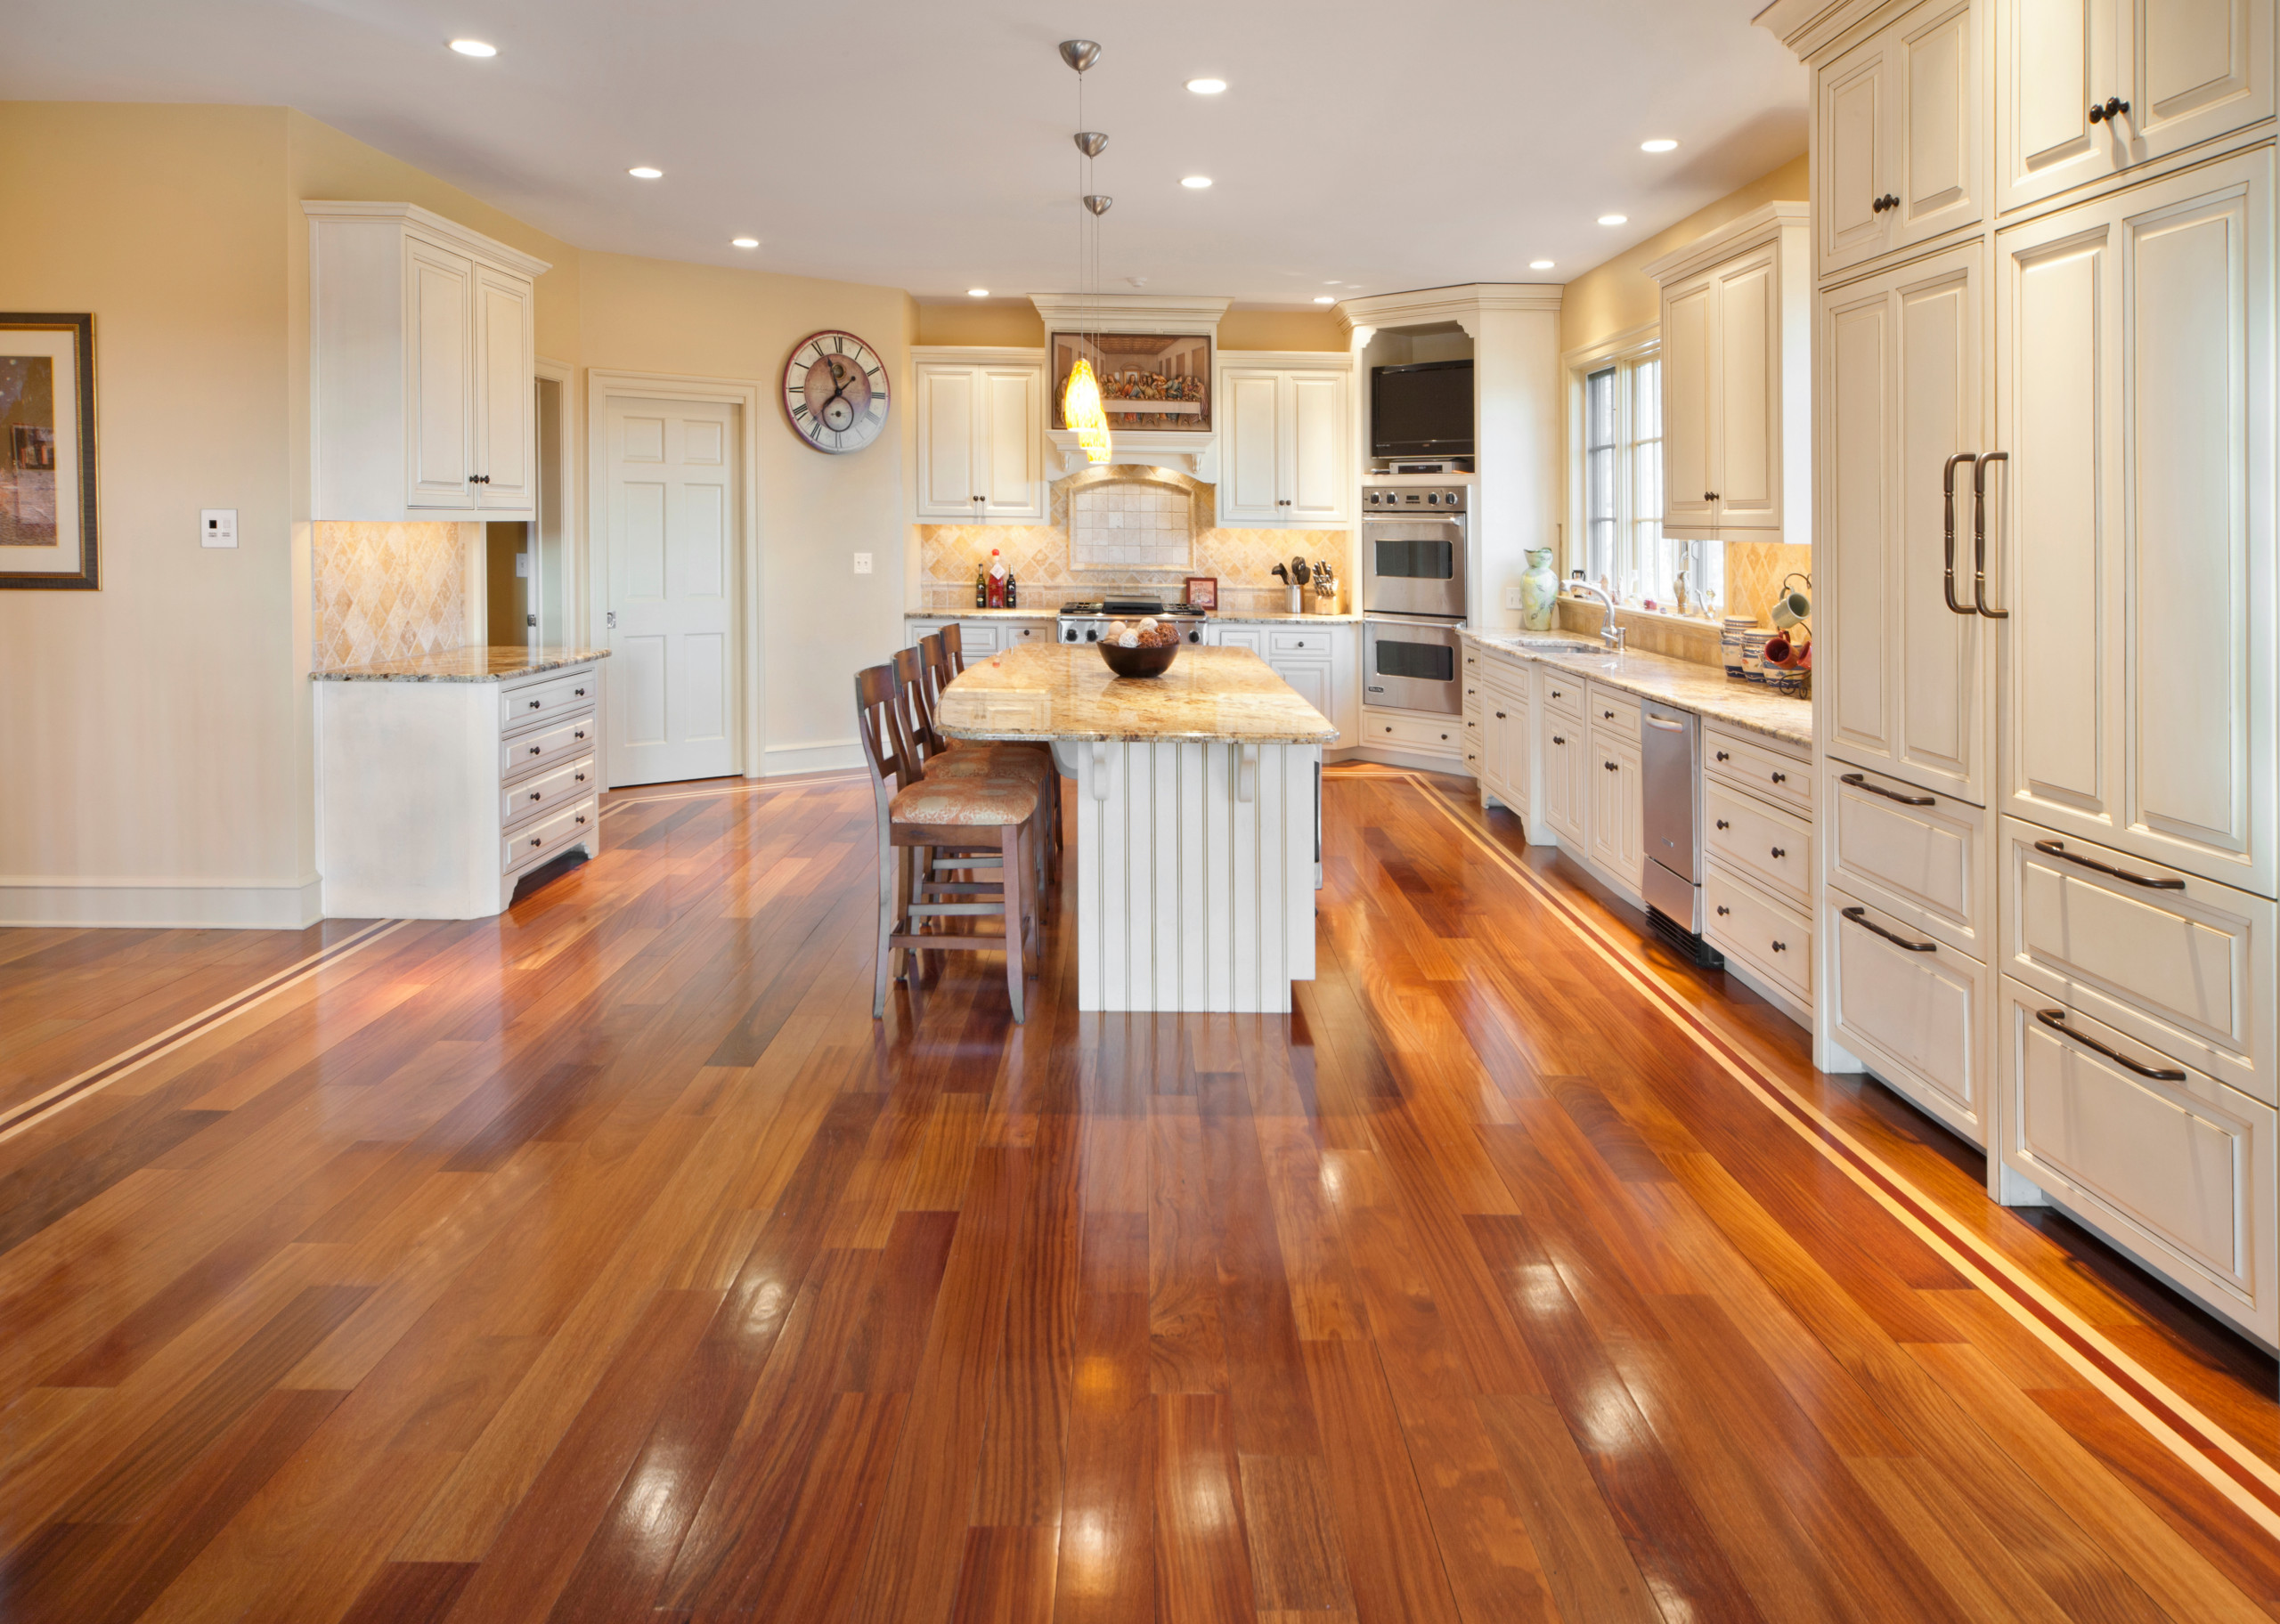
x=1197, y=838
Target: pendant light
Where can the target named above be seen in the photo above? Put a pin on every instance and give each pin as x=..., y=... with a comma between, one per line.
x=1080, y=401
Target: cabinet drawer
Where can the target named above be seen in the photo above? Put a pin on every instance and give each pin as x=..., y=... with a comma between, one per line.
x=2178, y=962
x=1911, y=853
x=1013, y=634
x=1771, y=938
x=1442, y=735
x=1612, y=712
x=1564, y=695
x=1770, y=847
x=1315, y=642
x=1252, y=638
x=2177, y=1169
x=1912, y=1009
x=544, y=702
x=977, y=638
x=1759, y=765
x=547, y=790
x=535, y=842
x=525, y=753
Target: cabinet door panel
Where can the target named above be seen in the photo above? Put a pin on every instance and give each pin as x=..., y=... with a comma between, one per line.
x=1317, y=484
x=1748, y=430
x=1566, y=755
x=2050, y=56
x=946, y=428
x=1855, y=660
x=1309, y=678
x=1008, y=456
x=1250, y=449
x=439, y=289
x=505, y=404
x=1852, y=140
x=1689, y=418
x=1940, y=114
x=2193, y=70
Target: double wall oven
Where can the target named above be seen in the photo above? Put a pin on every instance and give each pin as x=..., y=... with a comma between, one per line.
x=1414, y=596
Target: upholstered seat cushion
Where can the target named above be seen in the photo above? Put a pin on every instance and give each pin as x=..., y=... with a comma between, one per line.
x=986, y=802
x=989, y=761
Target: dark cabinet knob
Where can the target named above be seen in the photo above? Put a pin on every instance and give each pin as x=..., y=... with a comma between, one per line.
x=1779, y=854
x=2113, y=109
x=1780, y=778
x=1723, y=910
x=1723, y=823
x=535, y=704
x=534, y=795
x=1722, y=756
x=1556, y=739
x=1780, y=946
x=1500, y=716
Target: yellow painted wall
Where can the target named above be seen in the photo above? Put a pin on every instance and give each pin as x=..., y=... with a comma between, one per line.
x=1015, y=324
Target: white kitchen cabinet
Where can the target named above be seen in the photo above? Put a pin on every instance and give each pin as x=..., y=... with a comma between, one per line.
x=1903, y=672
x=1617, y=845
x=1899, y=119
x=1737, y=372
x=1913, y=1009
x=980, y=432
x=422, y=368
x=2183, y=74
x=1284, y=431
x=1507, y=755
x=2135, y=383
x=1323, y=664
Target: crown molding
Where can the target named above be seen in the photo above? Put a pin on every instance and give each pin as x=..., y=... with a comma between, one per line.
x=1760, y=225
x=1131, y=313
x=1462, y=305
x=429, y=224
x=1808, y=27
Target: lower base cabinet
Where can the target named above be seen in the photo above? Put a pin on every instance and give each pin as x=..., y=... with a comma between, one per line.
x=1771, y=940
x=2172, y=1166
x=1566, y=755
x=1911, y=1008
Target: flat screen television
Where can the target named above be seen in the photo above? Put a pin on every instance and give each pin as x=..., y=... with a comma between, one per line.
x=1422, y=410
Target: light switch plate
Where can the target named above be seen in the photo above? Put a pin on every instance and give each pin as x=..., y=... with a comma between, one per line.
x=217, y=527
x=1512, y=597
x=521, y=566
x=862, y=564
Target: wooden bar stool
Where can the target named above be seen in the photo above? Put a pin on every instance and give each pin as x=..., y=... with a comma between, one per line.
x=924, y=673
x=935, y=655
x=919, y=815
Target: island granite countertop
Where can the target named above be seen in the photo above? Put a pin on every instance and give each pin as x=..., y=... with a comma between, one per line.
x=472, y=663
x=1704, y=689
x=1209, y=695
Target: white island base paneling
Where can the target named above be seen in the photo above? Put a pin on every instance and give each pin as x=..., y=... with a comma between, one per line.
x=1195, y=872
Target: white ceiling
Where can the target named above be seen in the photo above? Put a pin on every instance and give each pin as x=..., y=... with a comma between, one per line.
x=1363, y=145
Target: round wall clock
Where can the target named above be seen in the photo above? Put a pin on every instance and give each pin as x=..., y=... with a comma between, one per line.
x=835, y=392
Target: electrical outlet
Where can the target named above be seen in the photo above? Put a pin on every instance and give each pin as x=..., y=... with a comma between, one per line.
x=1512, y=597
x=862, y=564
x=217, y=527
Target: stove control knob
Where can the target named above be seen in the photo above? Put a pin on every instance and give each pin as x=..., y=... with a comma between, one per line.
x=1195, y=636
x=1092, y=636
x=1069, y=634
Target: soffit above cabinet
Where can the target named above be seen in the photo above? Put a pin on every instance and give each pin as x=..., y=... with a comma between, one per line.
x=450, y=233
x=1736, y=236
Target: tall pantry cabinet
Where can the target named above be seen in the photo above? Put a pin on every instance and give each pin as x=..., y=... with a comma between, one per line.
x=2045, y=440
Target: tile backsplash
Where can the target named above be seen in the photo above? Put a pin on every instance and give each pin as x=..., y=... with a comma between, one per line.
x=1049, y=571
x=386, y=591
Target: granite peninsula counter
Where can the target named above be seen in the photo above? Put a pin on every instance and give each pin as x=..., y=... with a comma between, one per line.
x=1197, y=816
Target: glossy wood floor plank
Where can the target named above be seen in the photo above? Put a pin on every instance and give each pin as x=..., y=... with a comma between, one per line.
x=607, y=1261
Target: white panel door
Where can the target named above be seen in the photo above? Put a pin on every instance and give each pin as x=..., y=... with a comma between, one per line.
x=1940, y=112
x=2051, y=56
x=439, y=391
x=1853, y=108
x=671, y=546
x=1567, y=759
x=2191, y=70
x=1250, y=450
x=1904, y=676
x=1009, y=450
x=947, y=429
x=2135, y=397
x=1746, y=363
x=506, y=446
x=1689, y=410
x=1314, y=484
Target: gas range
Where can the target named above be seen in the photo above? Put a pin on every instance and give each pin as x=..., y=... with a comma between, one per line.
x=1087, y=622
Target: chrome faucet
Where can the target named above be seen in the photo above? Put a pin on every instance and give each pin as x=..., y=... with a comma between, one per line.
x=1610, y=634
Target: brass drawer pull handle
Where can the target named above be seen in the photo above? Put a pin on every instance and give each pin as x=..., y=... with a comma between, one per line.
x=1860, y=916
x=1860, y=780
x=2057, y=848
x=2055, y=1019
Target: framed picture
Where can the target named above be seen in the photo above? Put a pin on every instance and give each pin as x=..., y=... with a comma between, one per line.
x=1148, y=381
x=1204, y=591
x=47, y=451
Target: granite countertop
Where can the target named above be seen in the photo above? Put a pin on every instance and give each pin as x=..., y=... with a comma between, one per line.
x=1279, y=616
x=1221, y=695
x=472, y=663
x=1704, y=689
x=1224, y=616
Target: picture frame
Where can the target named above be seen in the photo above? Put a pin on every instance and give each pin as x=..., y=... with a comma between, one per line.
x=1149, y=382
x=1204, y=591
x=47, y=451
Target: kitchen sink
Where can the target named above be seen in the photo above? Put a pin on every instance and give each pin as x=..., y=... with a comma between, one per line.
x=1552, y=646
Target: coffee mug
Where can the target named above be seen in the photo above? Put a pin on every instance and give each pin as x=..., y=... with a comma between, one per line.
x=1792, y=606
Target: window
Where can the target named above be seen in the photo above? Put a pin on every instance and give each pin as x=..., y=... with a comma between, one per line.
x=1620, y=471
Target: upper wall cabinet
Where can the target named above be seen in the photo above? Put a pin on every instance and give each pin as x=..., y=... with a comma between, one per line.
x=2087, y=88
x=1737, y=372
x=1900, y=135
x=421, y=381
x=1285, y=432
x=981, y=436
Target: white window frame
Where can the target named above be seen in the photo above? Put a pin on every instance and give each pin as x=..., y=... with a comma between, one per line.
x=1624, y=353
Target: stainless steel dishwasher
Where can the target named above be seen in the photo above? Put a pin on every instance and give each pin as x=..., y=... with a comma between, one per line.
x=1671, y=787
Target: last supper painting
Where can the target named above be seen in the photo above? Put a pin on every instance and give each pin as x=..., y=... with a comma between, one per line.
x=1148, y=381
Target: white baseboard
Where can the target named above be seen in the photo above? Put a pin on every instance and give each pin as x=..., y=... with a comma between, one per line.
x=160, y=904
x=1414, y=762
x=824, y=756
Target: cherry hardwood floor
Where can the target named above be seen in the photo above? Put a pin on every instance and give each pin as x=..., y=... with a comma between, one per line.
x=607, y=1261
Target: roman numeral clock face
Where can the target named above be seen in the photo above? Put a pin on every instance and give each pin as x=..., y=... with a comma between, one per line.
x=835, y=392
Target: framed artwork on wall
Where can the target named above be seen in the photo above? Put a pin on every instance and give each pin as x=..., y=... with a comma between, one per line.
x=47, y=451
x=1148, y=381
x=1204, y=591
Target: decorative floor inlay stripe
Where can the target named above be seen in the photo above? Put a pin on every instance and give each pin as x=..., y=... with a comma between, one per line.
x=633, y=798
x=96, y=1079
x=2206, y=1449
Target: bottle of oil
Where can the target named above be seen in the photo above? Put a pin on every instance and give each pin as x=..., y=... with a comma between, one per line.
x=980, y=587
x=1012, y=597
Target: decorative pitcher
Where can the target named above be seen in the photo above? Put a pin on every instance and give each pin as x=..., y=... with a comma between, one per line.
x=1539, y=591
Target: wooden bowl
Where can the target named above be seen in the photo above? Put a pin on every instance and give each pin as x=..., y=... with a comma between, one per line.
x=1138, y=662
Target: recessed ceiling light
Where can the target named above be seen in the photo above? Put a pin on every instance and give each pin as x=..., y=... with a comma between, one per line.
x=743, y=243
x=1613, y=219
x=474, y=47
x=977, y=293
x=1325, y=298
x=1659, y=144
x=1195, y=183
x=1539, y=265
x=642, y=172
x=1207, y=87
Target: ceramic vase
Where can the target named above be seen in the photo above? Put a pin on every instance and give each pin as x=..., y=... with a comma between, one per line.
x=1539, y=591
